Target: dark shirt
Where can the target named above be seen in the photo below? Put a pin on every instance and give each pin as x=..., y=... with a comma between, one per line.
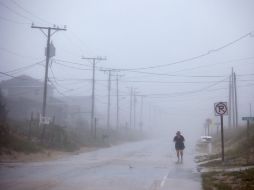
x=179, y=139
x=179, y=145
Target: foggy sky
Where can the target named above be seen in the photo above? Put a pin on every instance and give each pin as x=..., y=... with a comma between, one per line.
x=134, y=34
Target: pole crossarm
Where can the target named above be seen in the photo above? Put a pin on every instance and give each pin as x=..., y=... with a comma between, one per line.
x=95, y=58
x=47, y=27
x=54, y=28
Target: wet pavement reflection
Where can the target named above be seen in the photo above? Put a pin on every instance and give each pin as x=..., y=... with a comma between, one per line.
x=147, y=165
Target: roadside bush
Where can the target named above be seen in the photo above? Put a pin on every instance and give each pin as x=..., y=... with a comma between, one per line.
x=4, y=128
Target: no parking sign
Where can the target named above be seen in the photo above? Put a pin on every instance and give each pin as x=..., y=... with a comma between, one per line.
x=221, y=108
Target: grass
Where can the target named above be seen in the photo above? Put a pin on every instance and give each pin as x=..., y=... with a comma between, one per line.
x=237, y=180
x=239, y=151
x=19, y=144
x=18, y=138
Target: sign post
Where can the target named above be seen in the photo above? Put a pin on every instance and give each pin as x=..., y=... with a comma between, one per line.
x=220, y=109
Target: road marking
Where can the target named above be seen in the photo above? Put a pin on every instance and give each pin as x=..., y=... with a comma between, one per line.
x=163, y=181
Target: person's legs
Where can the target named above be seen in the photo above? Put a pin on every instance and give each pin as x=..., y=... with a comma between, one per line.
x=181, y=152
x=177, y=153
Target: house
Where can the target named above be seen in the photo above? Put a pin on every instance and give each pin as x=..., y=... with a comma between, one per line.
x=25, y=87
x=24, y=95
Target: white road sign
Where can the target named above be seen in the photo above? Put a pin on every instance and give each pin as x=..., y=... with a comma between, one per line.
x=44, y=120
x=248, y=118
x=220, y=108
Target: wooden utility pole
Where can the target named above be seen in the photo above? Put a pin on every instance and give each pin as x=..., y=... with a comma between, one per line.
x=135, y=104
x=94, y=59
x=230, y=103
x=236, y=106
x=109, y=99
x=95, y=127
x=233, y=106
x=250, y=111
x=48, y=56
x=117, y=101
x=141, y=122
x=131, y=94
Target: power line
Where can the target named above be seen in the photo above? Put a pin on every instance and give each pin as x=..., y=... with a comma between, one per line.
x=30, y=13
x=58, y=91
x=7, y=74
x=174, y=75
x=73, y=43
x=54, y=78
x=13, y=21
x=57, y=61
x=74, y=63
x=177, y=82
x=214, y=64
x=12, y=76
x=25, y=67
x=15, y=12
x=140, y=72
x=244, y=75
x=14, y=53
x=249, y=34
x=163, y=96
x=81, y=42
x=192, y=91
x=151, y=81
x=68, y=66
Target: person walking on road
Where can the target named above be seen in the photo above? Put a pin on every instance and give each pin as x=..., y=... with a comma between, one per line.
x=179, y=145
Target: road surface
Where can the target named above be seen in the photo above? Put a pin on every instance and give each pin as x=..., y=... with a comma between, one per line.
x=146, y=165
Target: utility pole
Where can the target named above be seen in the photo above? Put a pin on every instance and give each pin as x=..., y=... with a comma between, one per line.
x=135, y=103
x=95, y=127
x=109, y=98
x=233, y=107
x=236, y=106
x=141, y=114
x=131, y=107
x=94, y=59
x=150, y=115
x=230, y=103
x=48, y=55
x=117, y=101
x=233, y=97
x=250, y=111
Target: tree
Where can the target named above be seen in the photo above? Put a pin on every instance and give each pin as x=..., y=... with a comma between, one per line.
x=4, y=129
x=3, y=110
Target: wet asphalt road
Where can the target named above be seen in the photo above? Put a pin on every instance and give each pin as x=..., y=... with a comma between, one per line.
x=146, y=165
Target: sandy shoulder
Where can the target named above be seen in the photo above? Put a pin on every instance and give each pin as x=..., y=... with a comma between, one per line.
x=45, y=155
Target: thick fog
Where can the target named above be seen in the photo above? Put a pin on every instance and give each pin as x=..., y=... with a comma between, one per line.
x=177, y=55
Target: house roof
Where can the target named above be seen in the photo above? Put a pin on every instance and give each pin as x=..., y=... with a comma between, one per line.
x=22, y=81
